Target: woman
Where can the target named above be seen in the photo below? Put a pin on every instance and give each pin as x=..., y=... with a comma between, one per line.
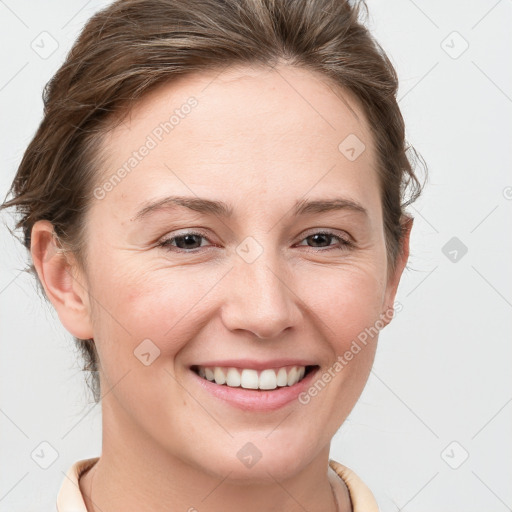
x=215, y=206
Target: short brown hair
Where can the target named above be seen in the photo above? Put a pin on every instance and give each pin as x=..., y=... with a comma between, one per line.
x=132, y=46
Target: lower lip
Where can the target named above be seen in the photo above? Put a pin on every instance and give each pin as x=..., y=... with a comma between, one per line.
x=254, y=400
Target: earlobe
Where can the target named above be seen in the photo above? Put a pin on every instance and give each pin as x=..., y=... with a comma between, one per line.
x=57, y=272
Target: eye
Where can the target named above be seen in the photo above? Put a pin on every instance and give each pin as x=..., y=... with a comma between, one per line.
x=187, y=241
x=321, y=237
x=190, y=241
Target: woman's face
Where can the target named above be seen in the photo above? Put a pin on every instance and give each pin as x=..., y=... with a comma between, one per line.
x=254, y=289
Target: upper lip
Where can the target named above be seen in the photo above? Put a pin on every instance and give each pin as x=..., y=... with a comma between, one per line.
x=256, y=365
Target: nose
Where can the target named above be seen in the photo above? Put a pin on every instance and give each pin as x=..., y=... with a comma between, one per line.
x=259, y=297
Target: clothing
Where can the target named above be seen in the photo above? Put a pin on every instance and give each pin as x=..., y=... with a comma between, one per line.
x=360, y=495
x=70, y=498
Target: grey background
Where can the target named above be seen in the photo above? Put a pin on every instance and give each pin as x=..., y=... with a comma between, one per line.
x=440, y=389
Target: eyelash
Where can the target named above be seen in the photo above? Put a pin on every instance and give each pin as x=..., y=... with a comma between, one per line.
x=166, y=243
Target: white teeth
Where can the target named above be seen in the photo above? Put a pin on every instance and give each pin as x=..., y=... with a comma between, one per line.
x=268, y=379
x=250, y=379
x=282, y=377
x=293, y=376
x=233, y=378
x=219, y=376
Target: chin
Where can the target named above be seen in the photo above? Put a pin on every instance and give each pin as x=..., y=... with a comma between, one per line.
x=263, y=460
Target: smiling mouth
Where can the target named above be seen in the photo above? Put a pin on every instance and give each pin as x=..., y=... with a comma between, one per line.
x=250, y=379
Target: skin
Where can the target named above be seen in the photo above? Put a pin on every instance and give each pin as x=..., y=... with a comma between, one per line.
x=259, y=139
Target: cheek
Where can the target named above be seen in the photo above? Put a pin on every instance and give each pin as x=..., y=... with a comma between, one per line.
x=143, y=325
x=347, y=300
x=346, y=304
x=348, y=310
x=165, y=306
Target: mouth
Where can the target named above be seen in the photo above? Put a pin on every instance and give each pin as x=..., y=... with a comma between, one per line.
x=250, y=379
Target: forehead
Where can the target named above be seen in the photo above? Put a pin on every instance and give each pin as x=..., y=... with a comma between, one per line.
x=247, y=133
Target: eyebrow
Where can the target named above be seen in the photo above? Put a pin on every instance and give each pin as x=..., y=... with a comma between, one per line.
x=222, y=209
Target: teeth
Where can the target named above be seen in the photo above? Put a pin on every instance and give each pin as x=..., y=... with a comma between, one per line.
x=251, y=379
x=268, y=379
x=219, y=375
x=293, y=376
x=233, y=378
x=282, y=377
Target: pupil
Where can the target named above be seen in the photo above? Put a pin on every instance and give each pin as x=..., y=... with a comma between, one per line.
x=315, y=237
x=189, y=238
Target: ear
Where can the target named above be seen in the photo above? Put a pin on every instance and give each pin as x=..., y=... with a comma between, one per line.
x=61, y=279
x=394, y=279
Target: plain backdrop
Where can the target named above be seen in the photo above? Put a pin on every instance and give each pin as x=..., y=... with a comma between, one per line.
x=431, y=431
